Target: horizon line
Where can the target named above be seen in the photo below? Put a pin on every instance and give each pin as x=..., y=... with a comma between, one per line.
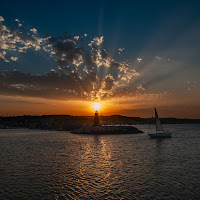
x=92, y=116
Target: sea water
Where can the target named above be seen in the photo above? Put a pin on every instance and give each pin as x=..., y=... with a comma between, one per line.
x=39, y=164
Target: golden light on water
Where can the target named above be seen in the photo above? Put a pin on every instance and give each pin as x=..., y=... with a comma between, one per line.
x=96, y=106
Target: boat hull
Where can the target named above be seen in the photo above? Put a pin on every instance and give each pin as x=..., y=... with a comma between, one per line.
x=160, y=135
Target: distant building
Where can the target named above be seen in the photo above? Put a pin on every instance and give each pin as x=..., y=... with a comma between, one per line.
x=96, y=119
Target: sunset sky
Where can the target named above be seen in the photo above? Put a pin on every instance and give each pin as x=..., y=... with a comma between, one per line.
x=131, y=56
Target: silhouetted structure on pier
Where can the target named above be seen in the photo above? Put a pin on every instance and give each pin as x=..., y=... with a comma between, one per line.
x=96, y=119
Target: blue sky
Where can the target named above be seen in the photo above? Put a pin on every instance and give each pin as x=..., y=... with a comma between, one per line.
x=130, y=24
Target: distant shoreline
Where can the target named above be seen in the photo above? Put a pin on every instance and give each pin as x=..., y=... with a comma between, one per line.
x=71, y=123
x=110, y=118
x=91, y=116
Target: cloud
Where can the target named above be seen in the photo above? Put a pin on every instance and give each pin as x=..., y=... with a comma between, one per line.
x=98, y=73
x=120, y=50
x=54, y=85
x=2, y=56
x=34, y=30
x=158, y=57
x=17, y=41
x=14, y=58
x=193, y=84
x=76, y=37
x=85, y=70
x=139, y=60
x=140, y=87
x=96, y=42
x=1, y=19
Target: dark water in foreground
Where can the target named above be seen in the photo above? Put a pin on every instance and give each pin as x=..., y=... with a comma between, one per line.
x=39, y=164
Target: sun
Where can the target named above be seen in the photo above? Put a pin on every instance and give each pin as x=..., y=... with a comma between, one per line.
x=96, y=106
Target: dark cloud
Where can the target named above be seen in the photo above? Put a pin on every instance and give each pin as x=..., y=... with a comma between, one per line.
x=66, y=51
x=58, y=86
x=79, y=67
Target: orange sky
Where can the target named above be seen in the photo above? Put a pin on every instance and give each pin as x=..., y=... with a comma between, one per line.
x=141, y=106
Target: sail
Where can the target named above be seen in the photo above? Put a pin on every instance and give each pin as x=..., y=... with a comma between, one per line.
x=158, y=124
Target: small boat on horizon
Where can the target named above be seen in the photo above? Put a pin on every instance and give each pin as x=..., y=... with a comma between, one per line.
x=160, y=133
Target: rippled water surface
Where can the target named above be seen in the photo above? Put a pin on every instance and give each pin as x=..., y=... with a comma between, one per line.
x=39, y=164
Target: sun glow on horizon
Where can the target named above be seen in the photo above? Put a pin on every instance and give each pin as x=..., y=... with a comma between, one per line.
x=96, y=106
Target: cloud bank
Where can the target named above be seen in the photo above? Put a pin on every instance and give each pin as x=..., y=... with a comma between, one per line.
x=85, y=70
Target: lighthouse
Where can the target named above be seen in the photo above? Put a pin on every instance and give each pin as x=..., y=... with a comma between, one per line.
x=96, y=119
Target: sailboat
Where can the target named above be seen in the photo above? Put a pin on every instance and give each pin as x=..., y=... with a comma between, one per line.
x=160, y=133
